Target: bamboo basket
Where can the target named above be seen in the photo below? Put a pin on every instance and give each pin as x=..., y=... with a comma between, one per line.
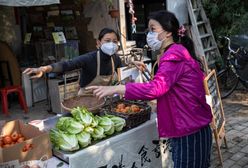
x=90, y=102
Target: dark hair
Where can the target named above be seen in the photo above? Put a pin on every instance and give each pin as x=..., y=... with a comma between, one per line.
x=106, y=31
x=170, y=23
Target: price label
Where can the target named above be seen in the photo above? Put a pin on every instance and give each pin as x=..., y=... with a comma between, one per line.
x=59, y=37
x=27, y=38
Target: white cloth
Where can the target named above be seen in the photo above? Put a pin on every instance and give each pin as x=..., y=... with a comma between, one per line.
x=138, y=147
x=124, y=149
x=28, y=2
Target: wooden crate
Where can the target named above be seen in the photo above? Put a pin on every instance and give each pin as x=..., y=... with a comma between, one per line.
x=71, y=90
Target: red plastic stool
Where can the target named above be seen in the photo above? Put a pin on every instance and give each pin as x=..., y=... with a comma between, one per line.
x=11, y=89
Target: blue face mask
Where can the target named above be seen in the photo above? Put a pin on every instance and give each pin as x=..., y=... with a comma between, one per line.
x=109, y=48
x=152, y=40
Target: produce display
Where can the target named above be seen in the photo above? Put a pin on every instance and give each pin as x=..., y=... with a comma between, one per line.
x=134, y=112
x=78, y=131
x=123, y=108
x=9, y=140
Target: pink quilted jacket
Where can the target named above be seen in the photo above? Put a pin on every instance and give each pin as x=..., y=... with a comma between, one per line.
x=178, y=88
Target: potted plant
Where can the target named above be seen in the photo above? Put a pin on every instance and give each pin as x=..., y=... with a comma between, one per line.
x=114, y=13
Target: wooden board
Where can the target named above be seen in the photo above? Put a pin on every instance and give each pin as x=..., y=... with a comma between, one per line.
x=214, y=100
x=211, y=88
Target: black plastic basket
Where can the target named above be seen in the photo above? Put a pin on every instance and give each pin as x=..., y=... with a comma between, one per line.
x=133, y=119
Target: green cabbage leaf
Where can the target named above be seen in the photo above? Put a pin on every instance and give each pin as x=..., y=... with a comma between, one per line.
x=69, y=125
x=63, y=141
x=84, y=139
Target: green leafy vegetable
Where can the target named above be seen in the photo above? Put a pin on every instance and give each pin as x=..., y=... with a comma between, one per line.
x=94, y=121
x=63, y=141
x=98, y=133
x=89, y=130
x=105, y=123
x=69, y=125
x=84, y=139
x=119, y=123
x=82, y=115
x=111, y=131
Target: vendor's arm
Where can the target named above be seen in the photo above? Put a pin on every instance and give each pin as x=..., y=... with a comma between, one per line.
x=58, y=67
x=167, y=75
x=75, y=63
x=38, y=72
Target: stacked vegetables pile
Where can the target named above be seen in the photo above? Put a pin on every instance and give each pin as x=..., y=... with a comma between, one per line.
x=77, y=131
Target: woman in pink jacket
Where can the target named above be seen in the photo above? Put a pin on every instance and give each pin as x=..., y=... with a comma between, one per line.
x=182, y=112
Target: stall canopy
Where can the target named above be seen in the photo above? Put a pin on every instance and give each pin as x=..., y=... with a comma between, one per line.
x=28, y=2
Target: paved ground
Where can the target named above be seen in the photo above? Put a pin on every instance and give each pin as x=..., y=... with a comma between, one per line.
x=37, y=112
x=236, y=113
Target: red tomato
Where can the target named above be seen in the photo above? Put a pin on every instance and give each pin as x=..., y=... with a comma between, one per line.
x=135, y=108
x=21, y=139
x=127, y=108
x=7, y=139
x=27, y=147
x=24, y=149
x=14, y=136
x=121, y=106
x=123, y=110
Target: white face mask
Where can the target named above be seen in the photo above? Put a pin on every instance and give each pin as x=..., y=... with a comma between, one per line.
x=109, y=48
x=153, y=41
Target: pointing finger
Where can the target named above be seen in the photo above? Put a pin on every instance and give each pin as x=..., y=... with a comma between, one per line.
x=91, y=87
x=26, y=70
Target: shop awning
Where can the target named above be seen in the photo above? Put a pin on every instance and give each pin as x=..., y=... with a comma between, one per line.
x=28, y=2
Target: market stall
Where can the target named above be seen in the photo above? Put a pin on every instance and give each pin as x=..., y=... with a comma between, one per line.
x=135, y=143
x=137, y=147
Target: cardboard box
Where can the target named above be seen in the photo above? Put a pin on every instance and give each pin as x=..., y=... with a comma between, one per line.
x=41, y=145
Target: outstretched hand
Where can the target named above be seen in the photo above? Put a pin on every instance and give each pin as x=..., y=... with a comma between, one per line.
x=33, y=72
x=102, y=91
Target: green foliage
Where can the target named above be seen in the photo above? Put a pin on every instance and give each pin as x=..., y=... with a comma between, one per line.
x=227, y=17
